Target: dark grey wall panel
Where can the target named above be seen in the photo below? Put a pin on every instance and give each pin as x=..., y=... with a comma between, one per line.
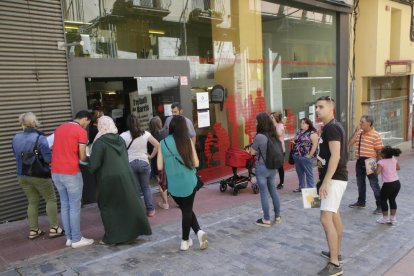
x=33, y=77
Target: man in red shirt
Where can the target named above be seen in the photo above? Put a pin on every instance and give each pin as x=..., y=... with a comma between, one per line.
x=69, y=148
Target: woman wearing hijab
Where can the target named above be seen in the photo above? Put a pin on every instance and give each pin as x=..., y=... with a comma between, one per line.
x=122, y=213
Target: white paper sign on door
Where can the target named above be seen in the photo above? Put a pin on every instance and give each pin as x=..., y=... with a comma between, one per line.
x=203, y=118
x=167, y=110
x=202, y=100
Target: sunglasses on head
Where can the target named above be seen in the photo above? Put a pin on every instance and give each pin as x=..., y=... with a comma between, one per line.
x=326, y=98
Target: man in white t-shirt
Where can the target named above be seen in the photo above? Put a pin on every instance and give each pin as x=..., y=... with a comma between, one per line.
x=177, y=109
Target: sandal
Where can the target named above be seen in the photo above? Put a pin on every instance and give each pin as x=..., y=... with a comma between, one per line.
x=35, y=234
x=55, y=232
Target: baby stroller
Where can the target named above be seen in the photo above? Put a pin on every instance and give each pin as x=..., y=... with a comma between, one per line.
x=237, y=158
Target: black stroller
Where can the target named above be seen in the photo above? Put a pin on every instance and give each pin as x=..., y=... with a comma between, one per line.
x=237, y=158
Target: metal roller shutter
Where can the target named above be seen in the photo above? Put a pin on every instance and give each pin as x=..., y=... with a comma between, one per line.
x=33, y=77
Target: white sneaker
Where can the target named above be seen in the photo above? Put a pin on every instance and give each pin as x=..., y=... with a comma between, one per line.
x=185, y=245
x=83, y=242
x=68, y=242
x=202, y=238
x=393, y=220
x=383, y=220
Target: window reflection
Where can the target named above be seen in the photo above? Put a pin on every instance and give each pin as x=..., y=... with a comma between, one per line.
x=283, y=61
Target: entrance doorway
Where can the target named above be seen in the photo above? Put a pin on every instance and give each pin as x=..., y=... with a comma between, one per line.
x=145, y=97
x=154, y=98
x=110, y=95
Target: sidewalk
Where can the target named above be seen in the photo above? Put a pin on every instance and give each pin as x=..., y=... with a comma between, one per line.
x=237, y=246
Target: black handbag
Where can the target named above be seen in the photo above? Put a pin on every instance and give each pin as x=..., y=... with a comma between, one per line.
x=291, y=160
x=162, y=176
x=33, y=163
x=200, y=182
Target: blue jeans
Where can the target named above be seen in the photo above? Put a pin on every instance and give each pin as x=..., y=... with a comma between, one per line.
x=361, y=174
x=142, y=171
x=304, y=167
x=70, y=188
x=266, y=179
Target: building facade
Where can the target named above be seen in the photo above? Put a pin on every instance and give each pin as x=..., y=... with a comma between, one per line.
x=384, y=44
x=224, y=60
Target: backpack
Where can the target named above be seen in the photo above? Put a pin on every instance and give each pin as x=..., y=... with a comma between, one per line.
x=274, y=154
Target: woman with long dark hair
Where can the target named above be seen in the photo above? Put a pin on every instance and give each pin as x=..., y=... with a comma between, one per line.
x=304, y=150
x=266, y=178
x=280, y=130
x=155, y=128
x=136, y=140
x=179, y=157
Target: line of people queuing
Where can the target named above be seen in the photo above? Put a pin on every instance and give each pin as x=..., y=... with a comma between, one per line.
x=129, y=159
x=121, y=166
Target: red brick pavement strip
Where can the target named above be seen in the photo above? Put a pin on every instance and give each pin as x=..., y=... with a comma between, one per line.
x=14, y=245
x=405, y=266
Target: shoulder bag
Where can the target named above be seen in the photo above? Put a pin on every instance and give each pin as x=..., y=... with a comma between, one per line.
x=291, y=160
x=200, y=182
x=33, y=163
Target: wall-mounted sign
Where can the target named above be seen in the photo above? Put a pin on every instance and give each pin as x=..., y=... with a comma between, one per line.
x=183, y=80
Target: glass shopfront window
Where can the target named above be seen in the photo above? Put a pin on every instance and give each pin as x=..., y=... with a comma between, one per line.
x=300, y=53
x=266, y=55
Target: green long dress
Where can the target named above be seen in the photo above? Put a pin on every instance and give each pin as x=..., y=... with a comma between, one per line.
x=123, y=215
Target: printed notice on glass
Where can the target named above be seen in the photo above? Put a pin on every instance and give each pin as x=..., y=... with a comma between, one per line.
x=203, y=117
x=301, y=115
x=167, y=110
x=202, y=100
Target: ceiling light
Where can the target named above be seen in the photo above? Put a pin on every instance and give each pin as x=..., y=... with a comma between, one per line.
x=160, y=32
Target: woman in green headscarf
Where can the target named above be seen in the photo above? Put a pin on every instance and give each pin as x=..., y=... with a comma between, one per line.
x=122, y=213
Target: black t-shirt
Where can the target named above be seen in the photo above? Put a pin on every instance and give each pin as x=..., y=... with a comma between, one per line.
x=92, y=131
x=333, y=131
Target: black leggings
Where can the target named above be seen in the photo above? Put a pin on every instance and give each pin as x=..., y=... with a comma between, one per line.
x=189, y=219
x=281, y=172
x=389, y=192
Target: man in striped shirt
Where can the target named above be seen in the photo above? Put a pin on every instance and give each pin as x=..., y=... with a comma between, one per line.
x=368, y=144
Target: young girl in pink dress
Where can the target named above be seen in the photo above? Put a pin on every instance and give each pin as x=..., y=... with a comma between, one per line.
x=388, y=167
